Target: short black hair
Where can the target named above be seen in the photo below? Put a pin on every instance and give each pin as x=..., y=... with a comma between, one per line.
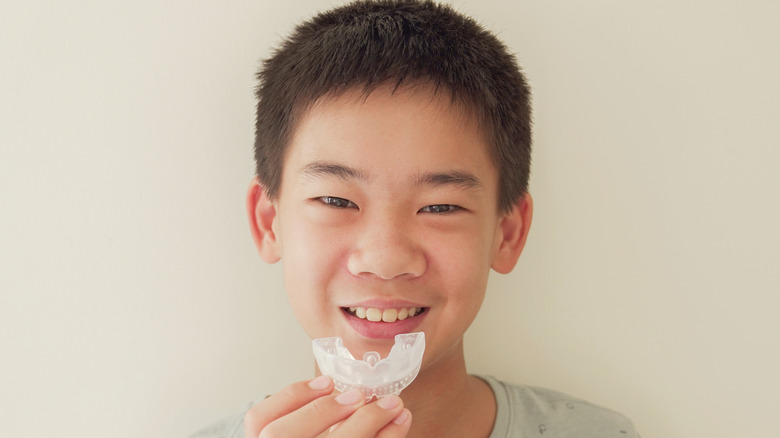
x=367, y=44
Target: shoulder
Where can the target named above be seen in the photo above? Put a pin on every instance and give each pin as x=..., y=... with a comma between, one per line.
x=230, y=427
x=531, y=411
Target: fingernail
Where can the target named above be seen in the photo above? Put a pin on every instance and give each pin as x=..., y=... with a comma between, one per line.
x=349, y=397
x=403, y=417
x=388, y=402
x=319, y=383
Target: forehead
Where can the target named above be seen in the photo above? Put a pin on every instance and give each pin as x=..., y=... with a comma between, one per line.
x=391, y=129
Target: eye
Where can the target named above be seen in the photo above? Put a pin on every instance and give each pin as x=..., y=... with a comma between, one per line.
x=335, y=202
x=440, y=208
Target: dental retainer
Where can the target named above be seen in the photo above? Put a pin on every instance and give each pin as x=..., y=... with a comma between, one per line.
x=372, y=376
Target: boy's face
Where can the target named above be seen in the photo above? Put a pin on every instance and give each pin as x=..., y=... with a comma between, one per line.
x=388, y=203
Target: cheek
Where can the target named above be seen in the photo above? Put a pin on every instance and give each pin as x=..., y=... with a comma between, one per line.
x=307, y=276
x=310, y=247
x=466, y=255
x=311, y=258
x=464, y=266
x=468, y=269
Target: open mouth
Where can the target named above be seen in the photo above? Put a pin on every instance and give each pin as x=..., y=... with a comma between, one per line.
x=384, y=315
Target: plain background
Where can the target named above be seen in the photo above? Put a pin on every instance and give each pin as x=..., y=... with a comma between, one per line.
x=132, y=300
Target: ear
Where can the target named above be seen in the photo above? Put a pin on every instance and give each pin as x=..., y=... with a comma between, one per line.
x=512, y=233
x=262, y=221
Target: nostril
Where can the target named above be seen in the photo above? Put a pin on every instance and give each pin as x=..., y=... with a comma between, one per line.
x=387, y=263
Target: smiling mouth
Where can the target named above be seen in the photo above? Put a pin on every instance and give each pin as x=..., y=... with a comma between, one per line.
x=384, y=315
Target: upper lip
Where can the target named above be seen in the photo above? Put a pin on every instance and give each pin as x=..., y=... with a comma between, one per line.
x=379, y=303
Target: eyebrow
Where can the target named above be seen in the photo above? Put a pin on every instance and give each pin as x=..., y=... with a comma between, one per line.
x=454, y=178
x=321, y=169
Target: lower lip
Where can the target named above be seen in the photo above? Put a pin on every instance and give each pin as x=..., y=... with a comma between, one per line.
x=384, y=330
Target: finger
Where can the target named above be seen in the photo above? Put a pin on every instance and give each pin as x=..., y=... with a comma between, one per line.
x=372, y=418
x=315, y=417
x=397, y=428
x=283, y=402
x=332, y=428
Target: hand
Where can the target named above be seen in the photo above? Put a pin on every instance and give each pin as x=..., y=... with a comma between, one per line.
x=311, y=409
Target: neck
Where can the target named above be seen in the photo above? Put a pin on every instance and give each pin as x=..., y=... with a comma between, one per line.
x=442, y=393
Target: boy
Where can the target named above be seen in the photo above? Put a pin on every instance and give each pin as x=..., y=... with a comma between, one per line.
x=393, y=151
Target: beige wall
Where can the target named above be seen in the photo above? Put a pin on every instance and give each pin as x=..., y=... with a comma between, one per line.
x=132, y=302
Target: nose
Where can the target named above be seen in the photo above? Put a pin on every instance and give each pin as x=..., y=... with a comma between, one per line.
x=386, y=249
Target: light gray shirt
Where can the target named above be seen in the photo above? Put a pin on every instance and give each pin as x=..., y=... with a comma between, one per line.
x=522, y=412
x=525, y=411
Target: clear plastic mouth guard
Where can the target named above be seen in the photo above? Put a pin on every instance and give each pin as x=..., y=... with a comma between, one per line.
x=371, y=376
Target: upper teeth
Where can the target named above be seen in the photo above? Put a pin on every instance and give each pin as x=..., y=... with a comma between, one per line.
x=387, y=315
